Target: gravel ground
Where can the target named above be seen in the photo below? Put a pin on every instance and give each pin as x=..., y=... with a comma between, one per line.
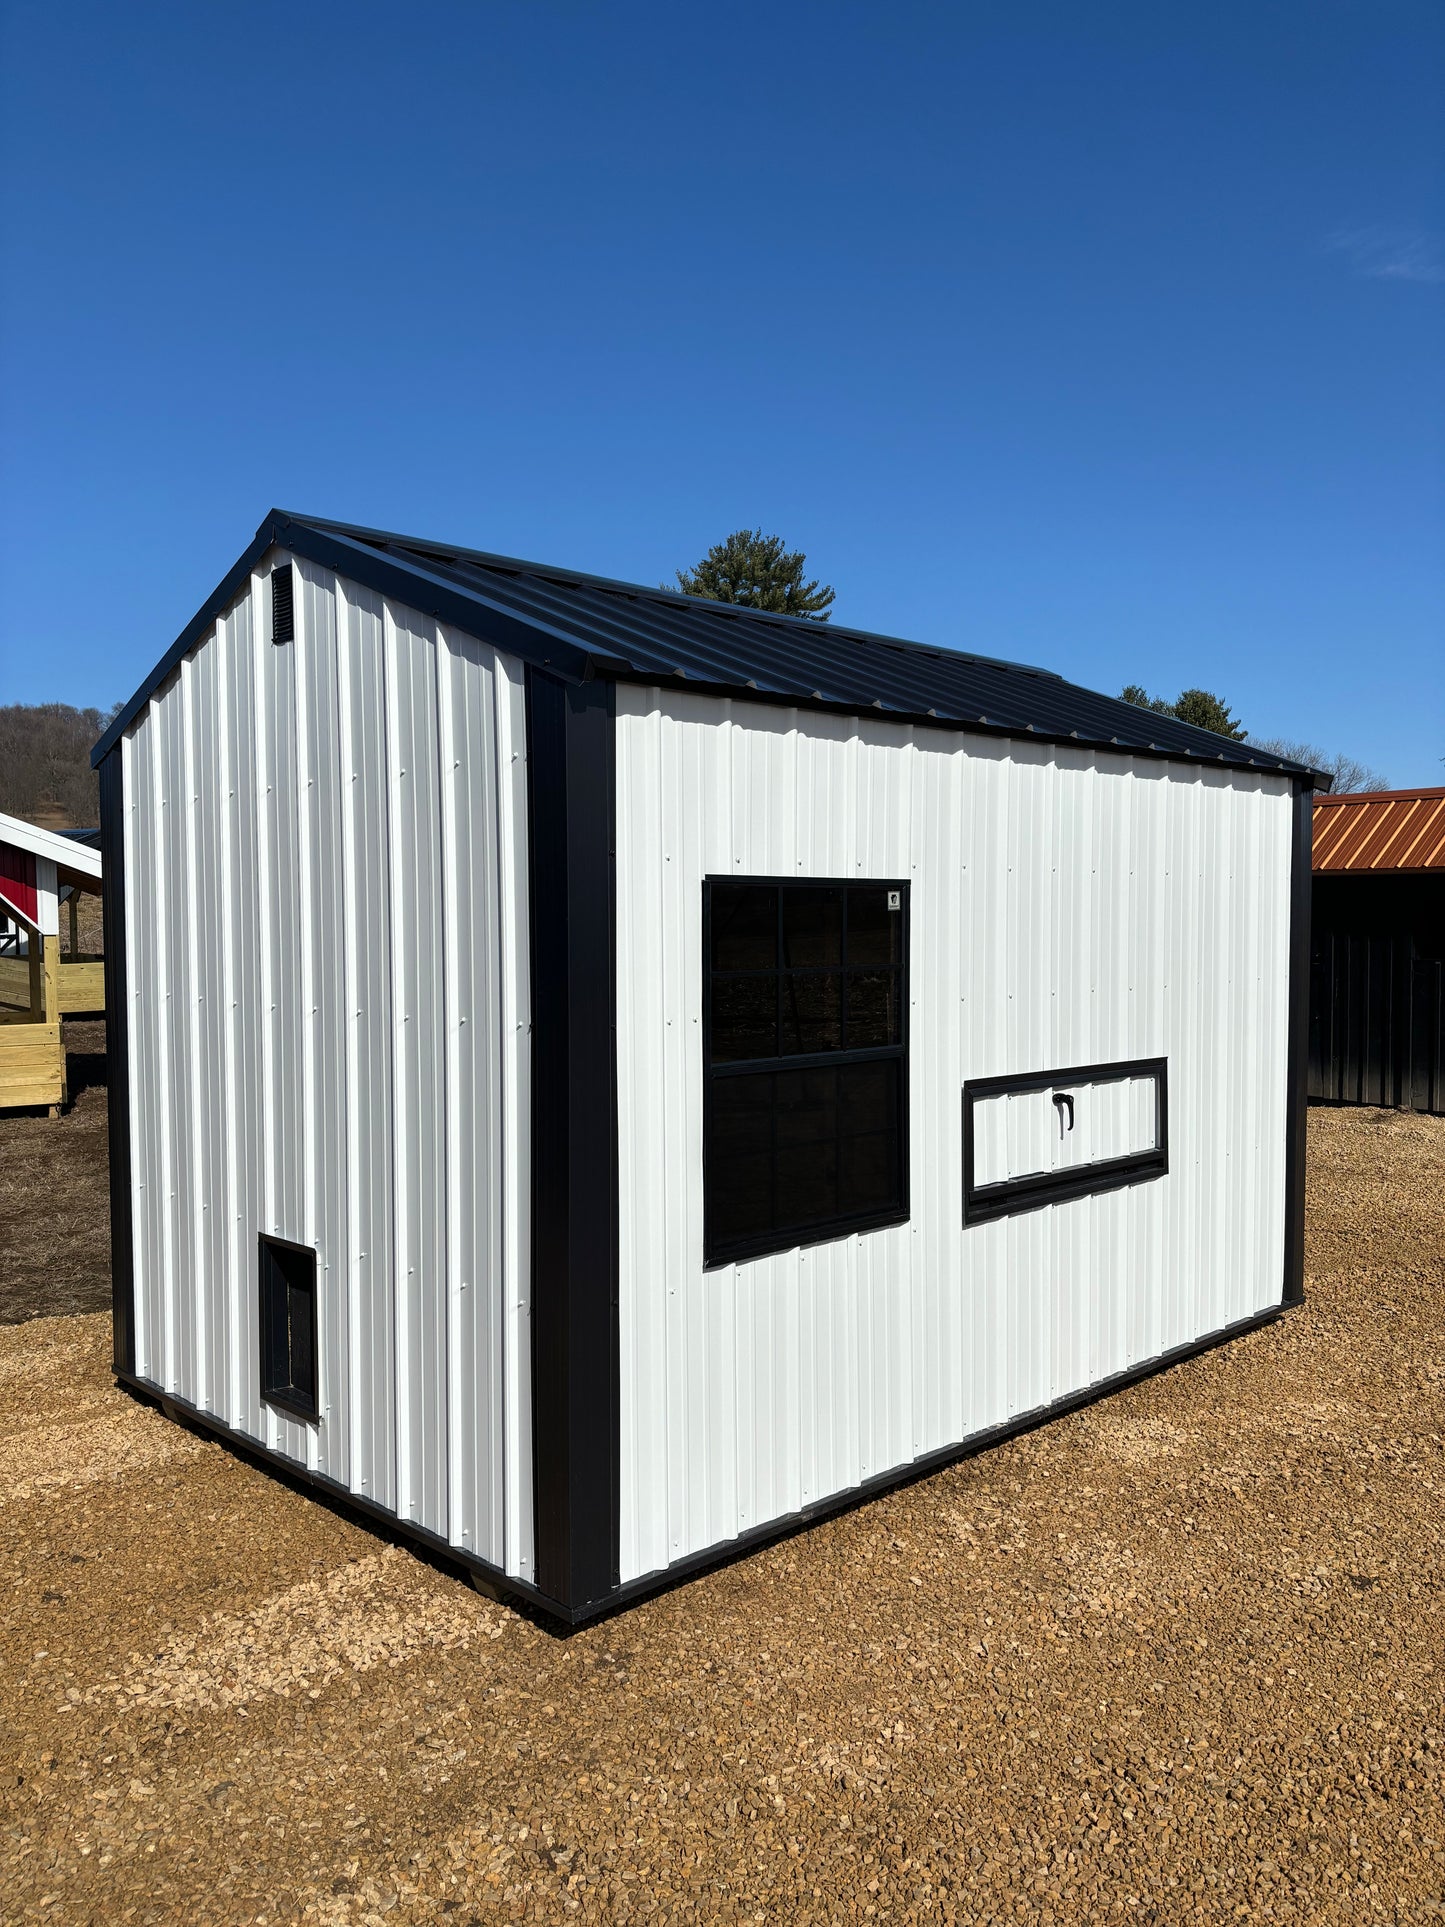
x=1178, y=1657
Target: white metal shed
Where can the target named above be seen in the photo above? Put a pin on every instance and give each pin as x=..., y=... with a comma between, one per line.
x=600, y=1077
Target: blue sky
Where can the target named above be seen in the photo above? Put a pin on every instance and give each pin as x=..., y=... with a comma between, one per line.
x=1109, y=337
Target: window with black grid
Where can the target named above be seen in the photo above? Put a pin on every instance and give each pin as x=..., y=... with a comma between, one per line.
x=805, y=1051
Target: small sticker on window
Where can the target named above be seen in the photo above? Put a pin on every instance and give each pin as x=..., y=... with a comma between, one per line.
x=895, y=899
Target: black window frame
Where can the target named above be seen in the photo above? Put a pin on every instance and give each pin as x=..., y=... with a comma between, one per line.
x=983, y=1203
x=277, y=1279
x=718, y=1251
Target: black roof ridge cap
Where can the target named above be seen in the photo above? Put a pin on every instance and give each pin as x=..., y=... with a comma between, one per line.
x=278, y=530
x=733, y=610
x=1209, y=741
x=580, y=663
x=483, y=601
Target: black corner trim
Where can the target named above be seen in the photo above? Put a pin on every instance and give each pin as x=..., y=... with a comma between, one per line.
x=1298, y=1055
x=489, y=1579
x=117, y=1058
x=576, y=1438
x=982, y=1203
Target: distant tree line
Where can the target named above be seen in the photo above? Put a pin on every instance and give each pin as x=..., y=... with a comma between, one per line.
x=45, y=773
x=1198, y=706
x=1207, y=711
x=1349, y=775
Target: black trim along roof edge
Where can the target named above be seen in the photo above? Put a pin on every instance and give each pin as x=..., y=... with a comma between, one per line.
x=350, y=552
x=615, y=585
x=1205, y=759
x=443, y=600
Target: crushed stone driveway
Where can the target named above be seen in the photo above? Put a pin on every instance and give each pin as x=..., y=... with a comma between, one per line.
x=1177, y=1657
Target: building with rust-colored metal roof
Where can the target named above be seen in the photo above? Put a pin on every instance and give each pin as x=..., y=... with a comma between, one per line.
x=1377, y=989
x=1380, y=830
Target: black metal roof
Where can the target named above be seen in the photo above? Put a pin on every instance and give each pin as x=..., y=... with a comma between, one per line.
x=585, y=626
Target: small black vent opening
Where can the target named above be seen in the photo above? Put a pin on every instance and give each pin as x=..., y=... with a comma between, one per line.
x=283, y=619
x=288, y=1327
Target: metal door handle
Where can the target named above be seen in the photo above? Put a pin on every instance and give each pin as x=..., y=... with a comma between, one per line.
x=1061, y=1098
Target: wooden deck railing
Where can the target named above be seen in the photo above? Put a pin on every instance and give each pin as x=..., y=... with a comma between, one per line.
x=34, y=996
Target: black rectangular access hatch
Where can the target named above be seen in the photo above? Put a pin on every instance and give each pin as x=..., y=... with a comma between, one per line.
x=288, y=1327
x=1044, y=1137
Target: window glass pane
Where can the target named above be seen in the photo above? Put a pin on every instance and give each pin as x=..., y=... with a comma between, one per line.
x=740, y=1158
x=807, y=1103
x=744, y=1018
x=744, y=926
x=740, y=1197
x=303, y=1366
x=812, y=928
x=740, y=1107
x=868, y=1096
x=807, y=1183
x=812, y=1012
x=875, y=933
x=807, y=1192
x=869, y=1170
x=873, y=1015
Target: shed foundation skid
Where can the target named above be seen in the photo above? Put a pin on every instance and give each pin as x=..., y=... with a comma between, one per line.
x=600, y=1080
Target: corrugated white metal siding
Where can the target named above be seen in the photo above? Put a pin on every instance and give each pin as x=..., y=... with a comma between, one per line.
x=1066, y=909
x=327, y=930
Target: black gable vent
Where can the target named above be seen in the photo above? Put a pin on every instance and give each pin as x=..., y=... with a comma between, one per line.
x=283, y=618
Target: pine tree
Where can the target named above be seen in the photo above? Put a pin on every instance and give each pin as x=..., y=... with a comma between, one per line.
x=1197, y=706
x=1206, y=711
x=757, y=571
x=1136, y=693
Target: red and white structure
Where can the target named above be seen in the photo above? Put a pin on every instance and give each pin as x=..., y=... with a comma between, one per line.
x=37, y=869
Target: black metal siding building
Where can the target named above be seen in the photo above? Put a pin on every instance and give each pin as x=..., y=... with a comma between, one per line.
x=1377, y=965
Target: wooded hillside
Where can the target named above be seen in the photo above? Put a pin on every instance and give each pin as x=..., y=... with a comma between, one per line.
x=45, y=773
